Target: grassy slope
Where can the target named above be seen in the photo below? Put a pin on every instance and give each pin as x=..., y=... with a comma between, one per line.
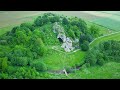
x=58, y=60
x=115, y=36
x=110, y=70
x=108, y=22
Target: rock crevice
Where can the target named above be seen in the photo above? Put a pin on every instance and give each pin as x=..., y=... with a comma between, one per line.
x=66, y=41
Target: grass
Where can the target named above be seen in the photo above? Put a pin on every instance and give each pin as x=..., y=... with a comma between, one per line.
x=103, y=30
x=109, y=70
x=115, y=36
x=58, y=60
x=108, y=22
x=5, y=29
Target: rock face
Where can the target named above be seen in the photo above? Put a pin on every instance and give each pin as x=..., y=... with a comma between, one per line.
x=67, y=42
x=57, y=28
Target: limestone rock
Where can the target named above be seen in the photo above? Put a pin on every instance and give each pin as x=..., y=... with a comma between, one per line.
x=67, y=42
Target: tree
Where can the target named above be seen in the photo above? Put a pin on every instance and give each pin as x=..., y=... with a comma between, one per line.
x=82, y=38
x=39, y=47
x=65, y=21
x=107, y=45
x=28, y=25
x=14, y=30
x=21, y=37
x=71, y=34
x=90, y=58
x=94, y=31
x=38, y=21
x=85, y=46
x=39, y=65
x=4, y=64
x=54, y=19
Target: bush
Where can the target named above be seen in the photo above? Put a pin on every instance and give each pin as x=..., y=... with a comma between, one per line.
x=28, y=25
x=39, y=47
x=91, y=59
x=3, y=63
x=68, y=69
x=40, y=66
x=85, y=46
x=20, y=61
x=65, y=21
x=3, y=42
x=100, y=61
x=3, y=76
x=71, y=34
x=11, y=70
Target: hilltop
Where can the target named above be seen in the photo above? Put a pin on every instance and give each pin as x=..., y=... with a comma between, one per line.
x=50, y=44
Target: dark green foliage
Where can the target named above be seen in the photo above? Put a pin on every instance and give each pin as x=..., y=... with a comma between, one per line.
x=20, y=61
x=3, y=63
x=104, y=52
x=3, y=42
x=94, y=31
x=11, y=70
x=22, y=48
x=54, y=19
x=68, y=69
x=79, y=23
x=71, y=33
x=14, y=30
x=42, y=20
x=39, y=65
x=100, y=61
x=90, y=59
x=65, y=21
x=85, y=46
x=26, y=73
x=28, y=25
x=3, y=75
x=38, y=47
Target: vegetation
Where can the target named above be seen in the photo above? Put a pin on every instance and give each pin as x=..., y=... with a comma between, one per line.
x=104, y=52
x=27, y=51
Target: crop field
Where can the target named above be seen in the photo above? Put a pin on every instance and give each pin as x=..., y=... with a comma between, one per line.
x=12, y=18
x=110, y=20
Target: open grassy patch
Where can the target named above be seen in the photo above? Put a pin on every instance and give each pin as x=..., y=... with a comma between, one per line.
x=108, y=71
x=58, y=60
x=115, y=36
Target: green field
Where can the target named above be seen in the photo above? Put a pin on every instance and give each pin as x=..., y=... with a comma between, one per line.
x=114, y=36
x=57, y=60
x=110, y=70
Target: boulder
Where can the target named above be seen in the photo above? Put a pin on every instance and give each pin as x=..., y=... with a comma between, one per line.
x=67, y=42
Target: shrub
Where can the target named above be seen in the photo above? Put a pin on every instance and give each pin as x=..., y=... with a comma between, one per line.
x=100, y=61
x=3, y=76
x=91, y=59
x=20, y=61
x=68, y=69
x=65, y=21
x=40, y=66
x=3, y=63
x=85, y=46
x=11, y=70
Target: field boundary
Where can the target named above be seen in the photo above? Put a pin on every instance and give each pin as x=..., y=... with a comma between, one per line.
x=103, y=37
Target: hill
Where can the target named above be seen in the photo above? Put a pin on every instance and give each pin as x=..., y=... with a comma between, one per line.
x=50, y=43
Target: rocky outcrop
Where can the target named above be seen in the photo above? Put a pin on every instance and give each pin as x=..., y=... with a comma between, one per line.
x=67, y=42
